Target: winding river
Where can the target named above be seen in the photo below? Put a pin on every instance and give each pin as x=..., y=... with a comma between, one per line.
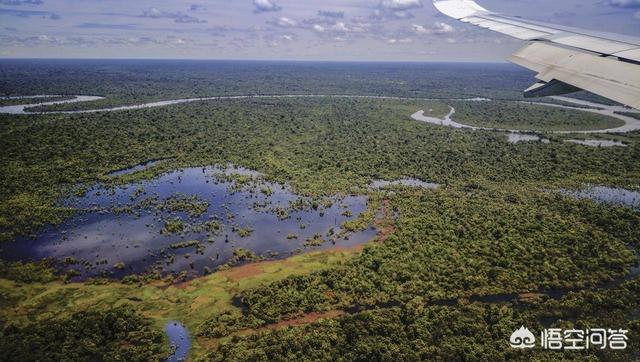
x=631, y=124
x=22, y=108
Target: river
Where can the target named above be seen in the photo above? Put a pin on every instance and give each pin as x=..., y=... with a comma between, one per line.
x=631, y=124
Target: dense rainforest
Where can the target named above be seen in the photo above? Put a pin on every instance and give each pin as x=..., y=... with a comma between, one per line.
x=117, y=334
x=452, y=273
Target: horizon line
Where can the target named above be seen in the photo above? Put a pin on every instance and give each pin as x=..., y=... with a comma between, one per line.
x=260, y=60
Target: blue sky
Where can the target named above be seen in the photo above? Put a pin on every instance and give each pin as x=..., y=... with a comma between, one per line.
x=377, y=30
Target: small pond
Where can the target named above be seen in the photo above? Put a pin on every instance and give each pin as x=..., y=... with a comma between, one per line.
x=607, y=195
x=409, y=182
x=598, y=143
x=179, y=340
x=523, y=137
x=191, y=220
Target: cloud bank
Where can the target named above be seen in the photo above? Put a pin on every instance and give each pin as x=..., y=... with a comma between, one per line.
x=263, y=6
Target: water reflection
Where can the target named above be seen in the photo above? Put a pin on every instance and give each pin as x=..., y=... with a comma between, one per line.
x=20, y=109
x=607, y=195
x=179, y=340
x=598, y=143
x=410, y=182
x=523, y=137
x=195, y=219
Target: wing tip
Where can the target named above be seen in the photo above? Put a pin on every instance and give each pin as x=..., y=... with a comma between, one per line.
x=459, y=9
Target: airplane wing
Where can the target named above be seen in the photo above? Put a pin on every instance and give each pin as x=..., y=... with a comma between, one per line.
x=566, y=59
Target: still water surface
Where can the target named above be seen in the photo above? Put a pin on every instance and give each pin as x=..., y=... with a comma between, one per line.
x=121, y=230
x=607, y=195
x=179, y=340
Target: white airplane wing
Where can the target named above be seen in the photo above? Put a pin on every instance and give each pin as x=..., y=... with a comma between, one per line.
x=566, y=60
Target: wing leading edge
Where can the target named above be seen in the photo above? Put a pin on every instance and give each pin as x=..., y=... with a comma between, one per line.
x=566, y=60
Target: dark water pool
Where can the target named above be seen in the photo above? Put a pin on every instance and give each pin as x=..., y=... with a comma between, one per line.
x=179, y=339
x=191, y=220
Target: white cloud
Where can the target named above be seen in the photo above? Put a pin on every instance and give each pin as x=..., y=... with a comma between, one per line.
x=419, y=29
x=316, y=27
x=340, y=27
x=400, y=4
x=402, y=14
x=399, y=40
x=177, y=17
x=285, y=22
x=152, y=13
x=439, y=28
x=442, y=28
x=337, y=28
x=276, y=40
x=265, y=6
x=360, y=27
x=383, y=14
x=178, y=41
x=93, y=42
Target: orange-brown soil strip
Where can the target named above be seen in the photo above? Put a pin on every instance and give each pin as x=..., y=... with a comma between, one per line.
x=304, y=319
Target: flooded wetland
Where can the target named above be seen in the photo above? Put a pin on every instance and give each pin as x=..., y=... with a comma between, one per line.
x=193, y=221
